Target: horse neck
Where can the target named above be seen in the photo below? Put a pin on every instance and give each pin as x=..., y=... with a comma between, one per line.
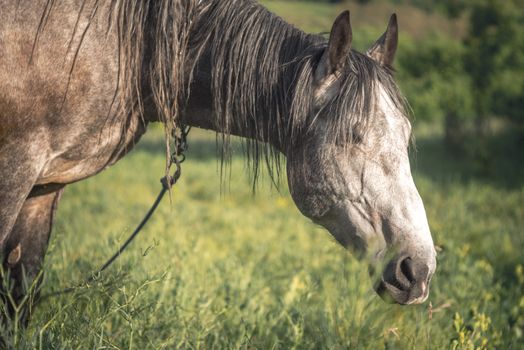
x=244, y=73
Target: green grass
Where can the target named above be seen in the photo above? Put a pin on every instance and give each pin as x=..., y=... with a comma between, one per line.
x=233, y=270
x=368, y=21
x=316, y=17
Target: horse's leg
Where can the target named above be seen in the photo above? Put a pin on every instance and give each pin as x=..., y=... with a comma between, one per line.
x=24, y=252
x=21, y=161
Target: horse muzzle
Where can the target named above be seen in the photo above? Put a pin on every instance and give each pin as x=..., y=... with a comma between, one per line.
x=405, y=281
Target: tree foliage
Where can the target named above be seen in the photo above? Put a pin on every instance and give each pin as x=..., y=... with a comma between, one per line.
x=495, y=58
x=434, y=78
x=469, y=82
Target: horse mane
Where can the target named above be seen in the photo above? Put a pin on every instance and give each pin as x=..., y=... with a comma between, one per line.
x=261, y=76
x=262, y=82
x=157, y=33
x=262, y=73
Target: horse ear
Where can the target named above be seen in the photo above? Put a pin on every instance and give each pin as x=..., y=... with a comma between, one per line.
x=384, y=49
x=338, y=47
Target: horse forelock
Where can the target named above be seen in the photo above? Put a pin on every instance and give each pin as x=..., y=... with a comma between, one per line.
x=353, y=111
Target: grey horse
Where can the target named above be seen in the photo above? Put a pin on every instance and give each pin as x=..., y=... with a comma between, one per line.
x=80, y=80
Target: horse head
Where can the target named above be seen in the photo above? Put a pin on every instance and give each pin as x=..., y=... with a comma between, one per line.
x=349, y=170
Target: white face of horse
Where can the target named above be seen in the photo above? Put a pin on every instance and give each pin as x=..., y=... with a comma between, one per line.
x=363, y=192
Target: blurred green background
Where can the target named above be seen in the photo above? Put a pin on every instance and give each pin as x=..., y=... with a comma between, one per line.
x=219, y=268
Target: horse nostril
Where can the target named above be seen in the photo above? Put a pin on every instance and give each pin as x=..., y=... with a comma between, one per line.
x=406, y=268
x=405, y=281
x=400, y=273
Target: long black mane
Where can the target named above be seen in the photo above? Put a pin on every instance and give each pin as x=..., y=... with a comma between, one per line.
x=261, y=75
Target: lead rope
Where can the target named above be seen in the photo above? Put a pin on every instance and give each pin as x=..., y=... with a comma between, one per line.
x=176, y=158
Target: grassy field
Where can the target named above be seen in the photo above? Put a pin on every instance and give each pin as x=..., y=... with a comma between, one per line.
x=219, y=268
x=221, y=271
x=368, y=21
